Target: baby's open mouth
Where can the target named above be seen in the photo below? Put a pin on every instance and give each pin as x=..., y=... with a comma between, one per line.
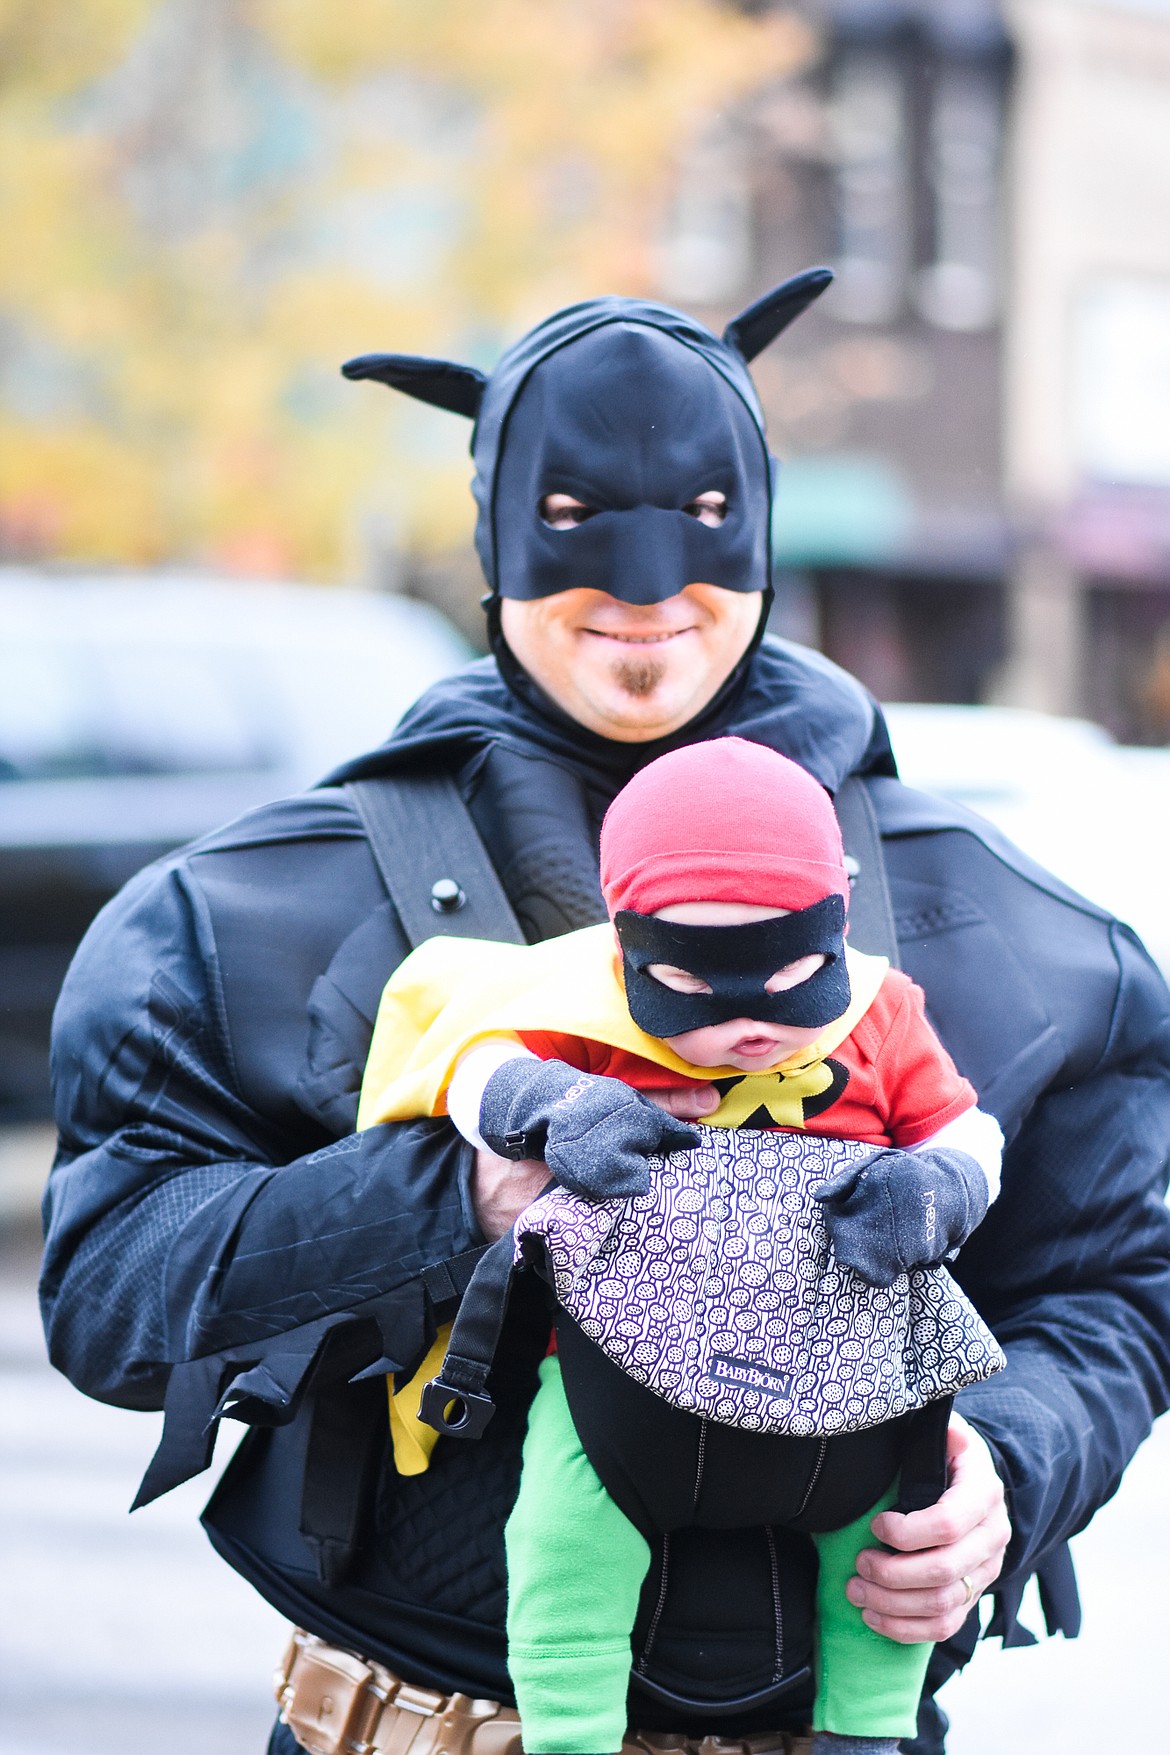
x=751, y=1046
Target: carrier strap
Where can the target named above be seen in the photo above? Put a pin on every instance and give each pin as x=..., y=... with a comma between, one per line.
x=435, y=867
x=438, y=876
x=871, y=913
x=924, y=1457
x=457, y=1402
x=441, y=881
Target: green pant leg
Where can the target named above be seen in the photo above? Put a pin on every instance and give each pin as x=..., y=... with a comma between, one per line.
x=867, y=1685
x=575, y=1571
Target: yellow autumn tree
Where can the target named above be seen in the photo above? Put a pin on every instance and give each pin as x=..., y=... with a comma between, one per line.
x=207, y=204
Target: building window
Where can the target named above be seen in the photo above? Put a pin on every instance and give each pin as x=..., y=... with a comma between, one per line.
x=871, y=153
x=915, y=129
x=705, y=253
x=959, y=287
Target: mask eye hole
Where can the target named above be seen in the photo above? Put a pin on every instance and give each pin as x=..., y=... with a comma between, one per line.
x=563, y=512
x=793, y=974
x=678, y=980
x=708, y=508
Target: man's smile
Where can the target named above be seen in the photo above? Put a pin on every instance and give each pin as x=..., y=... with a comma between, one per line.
x=638, y=639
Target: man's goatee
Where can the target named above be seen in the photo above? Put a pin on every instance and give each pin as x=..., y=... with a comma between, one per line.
x=639, y=676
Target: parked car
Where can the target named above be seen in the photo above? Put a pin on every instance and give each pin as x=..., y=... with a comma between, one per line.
x=1093, y=811
x=137, y=712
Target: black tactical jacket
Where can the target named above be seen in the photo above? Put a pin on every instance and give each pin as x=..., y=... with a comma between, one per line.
x=218, y=1235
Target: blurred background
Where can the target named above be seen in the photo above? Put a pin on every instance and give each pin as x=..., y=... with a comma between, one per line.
x=222, y=569
x=208, y=204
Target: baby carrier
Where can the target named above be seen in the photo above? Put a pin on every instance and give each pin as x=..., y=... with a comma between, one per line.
x=718, y=1291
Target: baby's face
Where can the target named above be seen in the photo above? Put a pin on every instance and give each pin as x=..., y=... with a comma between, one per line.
x=749, y=1044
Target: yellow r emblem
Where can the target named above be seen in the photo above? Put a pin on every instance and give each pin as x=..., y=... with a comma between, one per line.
x=779, y=1099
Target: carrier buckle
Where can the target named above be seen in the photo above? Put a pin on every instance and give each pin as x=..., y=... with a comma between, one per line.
x=456, y=1413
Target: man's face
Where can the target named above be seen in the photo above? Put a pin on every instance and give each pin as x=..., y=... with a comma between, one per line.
x=631, y=672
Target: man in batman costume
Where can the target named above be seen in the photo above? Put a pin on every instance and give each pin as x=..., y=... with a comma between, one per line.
x=219, y=1238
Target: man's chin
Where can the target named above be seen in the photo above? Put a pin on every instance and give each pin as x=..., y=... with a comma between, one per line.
x=636, y=719
x=636, y=700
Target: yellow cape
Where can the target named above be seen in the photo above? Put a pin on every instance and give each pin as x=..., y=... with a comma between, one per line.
x=451, y=993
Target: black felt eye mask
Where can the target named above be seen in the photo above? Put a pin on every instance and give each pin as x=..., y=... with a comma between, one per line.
x=735, y=962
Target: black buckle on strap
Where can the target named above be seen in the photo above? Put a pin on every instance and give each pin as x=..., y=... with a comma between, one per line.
x=456, y=1413
x=517, y=1144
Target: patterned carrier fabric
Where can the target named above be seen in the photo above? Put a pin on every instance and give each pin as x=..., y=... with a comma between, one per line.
x=719, y=1290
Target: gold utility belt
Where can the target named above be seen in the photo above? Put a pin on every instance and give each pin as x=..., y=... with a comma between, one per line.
x=336, y=1703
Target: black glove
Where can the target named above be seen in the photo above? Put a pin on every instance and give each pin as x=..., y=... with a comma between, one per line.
x=594, y=1134
x=901, y=1210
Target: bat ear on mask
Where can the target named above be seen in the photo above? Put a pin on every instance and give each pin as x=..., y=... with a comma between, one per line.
x=460, y=388
x=750, y=332
x=441, y=382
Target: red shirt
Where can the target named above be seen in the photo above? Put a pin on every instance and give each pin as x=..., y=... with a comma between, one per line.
x=893, y=1081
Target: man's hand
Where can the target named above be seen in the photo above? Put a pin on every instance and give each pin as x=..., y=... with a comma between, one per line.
x=501, y=1188
x=686, y=1102
x=921, y=1592
x=596, y=1134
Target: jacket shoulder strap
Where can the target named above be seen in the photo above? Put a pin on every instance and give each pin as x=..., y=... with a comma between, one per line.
x=871, y=913
x=435, y=867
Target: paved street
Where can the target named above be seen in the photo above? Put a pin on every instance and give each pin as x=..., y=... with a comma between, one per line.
x=118, y=1635
x=125, y=1636
x=1105, y=1691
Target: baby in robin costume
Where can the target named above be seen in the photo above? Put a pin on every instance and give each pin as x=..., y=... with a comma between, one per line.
x=723, y=872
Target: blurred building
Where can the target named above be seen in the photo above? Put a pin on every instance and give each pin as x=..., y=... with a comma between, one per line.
x=885, y=403
x=209, y=203
x=975, y=423
x=1087, y=456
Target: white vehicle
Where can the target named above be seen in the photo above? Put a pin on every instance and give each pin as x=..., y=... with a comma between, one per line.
x=153, y=707
x=138, y=712
x=1094, y=812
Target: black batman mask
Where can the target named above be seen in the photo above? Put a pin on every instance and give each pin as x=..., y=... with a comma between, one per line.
x=633, y=409
x=636, y=428
x=735, y=962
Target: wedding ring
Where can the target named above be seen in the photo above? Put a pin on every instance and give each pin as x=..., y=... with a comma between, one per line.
x=969, y=1588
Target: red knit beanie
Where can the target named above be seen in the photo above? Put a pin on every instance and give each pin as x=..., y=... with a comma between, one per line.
x=725, y=821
